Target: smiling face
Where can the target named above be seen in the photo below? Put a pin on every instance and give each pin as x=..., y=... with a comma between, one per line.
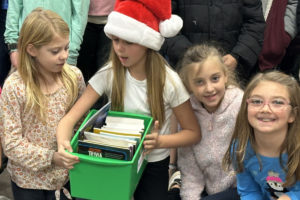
x=269, y=119
x=51, y=57
x=131, y=55
x=207, y=82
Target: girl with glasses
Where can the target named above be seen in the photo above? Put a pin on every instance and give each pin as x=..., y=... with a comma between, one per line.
x=264, y=149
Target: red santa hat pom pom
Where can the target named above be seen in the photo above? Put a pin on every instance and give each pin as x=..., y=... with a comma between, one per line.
x=170, y=27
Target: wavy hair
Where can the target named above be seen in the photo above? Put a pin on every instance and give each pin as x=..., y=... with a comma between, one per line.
x=39, y=29
x=243, y=132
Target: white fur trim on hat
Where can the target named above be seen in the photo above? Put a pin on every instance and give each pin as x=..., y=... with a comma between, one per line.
x=131, y=30
x=170, y=27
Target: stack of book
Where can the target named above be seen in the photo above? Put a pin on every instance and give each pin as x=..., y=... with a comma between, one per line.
x=110, y=136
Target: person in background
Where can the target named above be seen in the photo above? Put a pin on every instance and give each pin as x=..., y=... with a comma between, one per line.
x=95, y=46
x=280, y=16
x=138, y=80
x=264, y=149
x=216, y=99
x=74, y=12
x=236, y=26
x=4, y=53
x=290, y=63
x=33, y=100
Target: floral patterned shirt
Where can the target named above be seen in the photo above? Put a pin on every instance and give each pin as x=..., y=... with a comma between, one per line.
x=30, y=143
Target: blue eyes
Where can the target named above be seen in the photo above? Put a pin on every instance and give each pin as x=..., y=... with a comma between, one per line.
x=213, y=79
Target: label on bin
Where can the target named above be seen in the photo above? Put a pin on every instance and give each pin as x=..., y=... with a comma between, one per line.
x=140, y=161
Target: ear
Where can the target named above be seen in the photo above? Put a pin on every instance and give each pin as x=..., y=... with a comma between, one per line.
x=31, y=50
x=292, y=116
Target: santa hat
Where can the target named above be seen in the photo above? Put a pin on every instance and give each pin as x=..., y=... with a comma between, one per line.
x=145, y=22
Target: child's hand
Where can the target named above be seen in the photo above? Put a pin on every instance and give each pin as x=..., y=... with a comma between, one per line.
x=230, y=61
x=284, y=197
x=152, y=140
x=63, y=158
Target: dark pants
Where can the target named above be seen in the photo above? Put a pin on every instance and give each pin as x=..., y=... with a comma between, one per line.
x=93, y=54
x=94, y=50
x=154, y=182
x=229, y=194
x=291, y=61
x=31, y=194
x=4, y=54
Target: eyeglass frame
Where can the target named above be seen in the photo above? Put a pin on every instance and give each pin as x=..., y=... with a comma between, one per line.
x=280, y=106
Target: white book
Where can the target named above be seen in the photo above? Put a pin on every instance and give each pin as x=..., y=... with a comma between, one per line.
x=125, y=120
x=109, y=140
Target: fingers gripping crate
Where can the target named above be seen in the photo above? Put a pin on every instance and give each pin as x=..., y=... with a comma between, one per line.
x=105, y=178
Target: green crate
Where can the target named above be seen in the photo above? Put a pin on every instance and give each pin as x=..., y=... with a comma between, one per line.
x=104, y=178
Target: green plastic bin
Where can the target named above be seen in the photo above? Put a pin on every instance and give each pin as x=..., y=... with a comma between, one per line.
x=104, y=178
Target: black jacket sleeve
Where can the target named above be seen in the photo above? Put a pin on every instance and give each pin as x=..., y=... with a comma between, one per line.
x=250, y=40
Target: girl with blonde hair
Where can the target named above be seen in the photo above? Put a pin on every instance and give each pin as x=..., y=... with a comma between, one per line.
x=264, y=148
x=216, y=99
x=138, y=80
x=33, y=100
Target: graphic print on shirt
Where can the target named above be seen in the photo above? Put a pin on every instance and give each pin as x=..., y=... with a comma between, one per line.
x=274, y=184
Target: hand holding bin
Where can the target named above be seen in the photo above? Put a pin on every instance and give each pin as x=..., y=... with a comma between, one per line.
x=106, y=178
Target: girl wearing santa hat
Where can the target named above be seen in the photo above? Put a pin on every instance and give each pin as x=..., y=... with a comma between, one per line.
x=137, y=79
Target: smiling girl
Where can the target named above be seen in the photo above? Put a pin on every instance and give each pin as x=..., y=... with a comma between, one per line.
x=265, y=147
x=216, y=99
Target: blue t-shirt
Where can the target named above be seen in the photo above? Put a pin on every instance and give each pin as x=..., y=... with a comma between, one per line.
x=266, y=182
x=4, y=5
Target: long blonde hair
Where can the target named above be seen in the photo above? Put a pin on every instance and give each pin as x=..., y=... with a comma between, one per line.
x=155, y=74
x=38, y=29
x=243, y=132
x=199, y=54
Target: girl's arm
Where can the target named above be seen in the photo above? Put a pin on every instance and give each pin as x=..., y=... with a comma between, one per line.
x=67, y=123
x=190, y=133
x=14, y=11
x=11, y=33
x=247, y=188
x=80, y=10
x=15, y=146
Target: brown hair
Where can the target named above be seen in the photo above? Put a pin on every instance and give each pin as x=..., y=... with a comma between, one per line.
x=243, y=132
x=156, y=75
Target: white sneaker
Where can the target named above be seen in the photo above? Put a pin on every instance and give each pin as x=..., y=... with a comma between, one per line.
x=175, y=179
